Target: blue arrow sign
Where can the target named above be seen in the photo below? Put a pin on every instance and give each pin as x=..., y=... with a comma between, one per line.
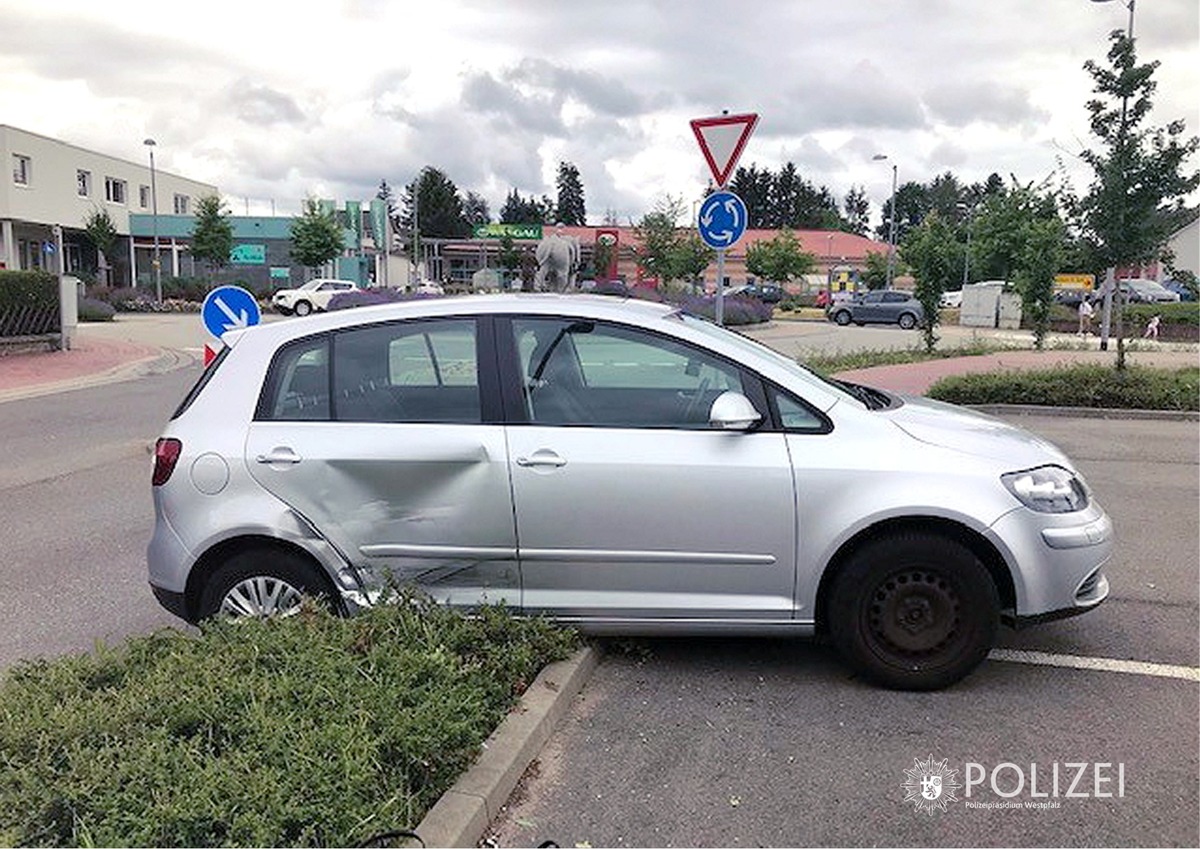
x=721, y=220
x=229, y=308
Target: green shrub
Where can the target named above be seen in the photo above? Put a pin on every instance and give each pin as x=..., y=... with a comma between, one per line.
x=1136, y=315
x=827, y=364
x=1097, y=386
x=37, y=289
x=310, y=730
x=93, y=309
x=183, y=288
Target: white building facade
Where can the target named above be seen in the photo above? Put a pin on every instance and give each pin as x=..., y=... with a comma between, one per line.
x=49, y=183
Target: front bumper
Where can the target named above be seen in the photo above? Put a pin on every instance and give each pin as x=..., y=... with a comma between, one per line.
x=1057, y=561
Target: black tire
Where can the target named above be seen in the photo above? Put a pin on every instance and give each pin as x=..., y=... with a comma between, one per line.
x=274, y=568
x=916, y=611
x=302, y=308
x=907, y=320
x=842, y=317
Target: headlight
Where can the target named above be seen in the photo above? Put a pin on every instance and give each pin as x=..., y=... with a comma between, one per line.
x=1047, y=489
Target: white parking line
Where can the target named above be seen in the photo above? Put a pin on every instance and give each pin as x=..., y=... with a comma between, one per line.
x=1100, y=664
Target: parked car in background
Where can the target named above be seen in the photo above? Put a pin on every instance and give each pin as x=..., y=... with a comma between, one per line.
x=1138, y=291
x=768, y=293
x=313, y=295
x=951, y=299
x=409, y=442
x=1071, y=297
x=882, y=306
x=1181, y=289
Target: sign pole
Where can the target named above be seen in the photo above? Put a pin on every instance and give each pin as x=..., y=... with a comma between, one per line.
x=721, y=286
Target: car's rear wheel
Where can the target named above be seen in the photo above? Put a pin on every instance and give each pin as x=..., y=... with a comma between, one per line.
x=908, y=321
x=915, y=611
x=842, y=317
x=261, y=582
x=302, y=308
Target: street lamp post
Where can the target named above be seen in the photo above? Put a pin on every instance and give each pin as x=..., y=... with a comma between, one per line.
x=966, y=210
x=149, y=143
x=1110, y=282
x=891, y=221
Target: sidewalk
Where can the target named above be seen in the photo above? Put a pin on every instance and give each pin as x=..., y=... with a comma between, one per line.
x=90, y=362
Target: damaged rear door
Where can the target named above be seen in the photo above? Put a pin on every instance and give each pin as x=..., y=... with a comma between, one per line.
x=385, y=439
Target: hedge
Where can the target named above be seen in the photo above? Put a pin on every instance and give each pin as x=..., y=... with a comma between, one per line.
x=37, y=289
x=1081, y=385
x=304, y=731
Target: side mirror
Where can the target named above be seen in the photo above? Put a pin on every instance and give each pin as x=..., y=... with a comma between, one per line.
x=733, y=411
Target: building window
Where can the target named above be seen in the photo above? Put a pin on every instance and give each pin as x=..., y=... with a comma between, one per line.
x=114, y=190
x=22, y=170
x=181, y=204
x=144, y=196
x=83, y=183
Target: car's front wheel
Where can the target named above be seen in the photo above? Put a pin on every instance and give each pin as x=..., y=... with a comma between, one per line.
x=302, y=308
x=908, y=321
x=842, y=317
x=915, y=611
x=260, y=582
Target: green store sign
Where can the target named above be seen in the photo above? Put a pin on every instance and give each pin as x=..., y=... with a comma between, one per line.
x=248, y=255
x=513, y=231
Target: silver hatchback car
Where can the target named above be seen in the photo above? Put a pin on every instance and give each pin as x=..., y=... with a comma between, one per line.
x=617, y=465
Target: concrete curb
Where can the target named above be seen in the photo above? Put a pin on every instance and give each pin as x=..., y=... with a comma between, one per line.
x=464, y=812
x=1085, y=412
x=157, y=363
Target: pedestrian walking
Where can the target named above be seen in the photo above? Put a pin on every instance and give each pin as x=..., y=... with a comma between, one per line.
x=1151, y=328
x=1085, y=316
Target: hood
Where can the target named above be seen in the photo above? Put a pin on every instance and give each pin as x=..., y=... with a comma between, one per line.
x=960, y=429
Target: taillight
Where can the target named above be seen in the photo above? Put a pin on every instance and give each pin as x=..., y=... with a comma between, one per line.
x=166, y=455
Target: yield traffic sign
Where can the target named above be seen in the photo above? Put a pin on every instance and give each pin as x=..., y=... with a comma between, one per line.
x=722, y=139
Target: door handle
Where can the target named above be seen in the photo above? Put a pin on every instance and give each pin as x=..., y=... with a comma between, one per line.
x=542, y=457
x=280, y=454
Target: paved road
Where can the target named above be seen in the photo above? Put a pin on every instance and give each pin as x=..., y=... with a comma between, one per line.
x=741, y=742
x=76, y=515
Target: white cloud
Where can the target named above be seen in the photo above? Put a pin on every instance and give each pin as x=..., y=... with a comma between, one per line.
x=268, y=101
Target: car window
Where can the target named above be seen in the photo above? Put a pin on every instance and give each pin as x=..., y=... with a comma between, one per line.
x=795, y=415
x=894, y=297
x=297, y=385
x=872, y=297
x=589, y=373
x=421, y=371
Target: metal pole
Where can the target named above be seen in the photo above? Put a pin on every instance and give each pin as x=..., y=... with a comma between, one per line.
x=720, y=286
x=967, y=255
x=892, y=230
x=154, y=218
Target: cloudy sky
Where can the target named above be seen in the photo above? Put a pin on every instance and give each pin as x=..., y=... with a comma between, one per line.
x=275, y=101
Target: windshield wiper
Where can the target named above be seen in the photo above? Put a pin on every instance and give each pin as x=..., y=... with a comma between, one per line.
x=874, y=399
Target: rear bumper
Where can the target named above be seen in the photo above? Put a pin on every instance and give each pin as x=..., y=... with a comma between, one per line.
x=174, y=602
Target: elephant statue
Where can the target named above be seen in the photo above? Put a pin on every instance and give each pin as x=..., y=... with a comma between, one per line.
x=558, y=261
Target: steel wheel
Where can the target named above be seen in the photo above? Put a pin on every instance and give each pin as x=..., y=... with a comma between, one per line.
x=915, y=611
x=261, y=596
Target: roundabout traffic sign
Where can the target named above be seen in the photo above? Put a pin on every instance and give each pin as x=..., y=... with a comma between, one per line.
x=721, y=220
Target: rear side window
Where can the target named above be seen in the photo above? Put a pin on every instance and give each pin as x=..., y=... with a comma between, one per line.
x=424, y=371
x=297, y=387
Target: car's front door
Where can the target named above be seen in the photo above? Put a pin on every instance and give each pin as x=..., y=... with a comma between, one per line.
x=390, y=455
x=628, y=505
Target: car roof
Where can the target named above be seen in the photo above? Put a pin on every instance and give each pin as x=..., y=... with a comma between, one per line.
x=600, y=307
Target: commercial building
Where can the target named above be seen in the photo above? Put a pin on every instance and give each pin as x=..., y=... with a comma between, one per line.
x=52, y=184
